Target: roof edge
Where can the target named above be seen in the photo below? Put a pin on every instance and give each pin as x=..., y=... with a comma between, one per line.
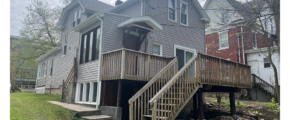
x=48, y=53
x=201, y=11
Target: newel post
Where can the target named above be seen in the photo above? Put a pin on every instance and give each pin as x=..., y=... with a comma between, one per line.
x=148, y=67
x=123, y=62
x=154, y=111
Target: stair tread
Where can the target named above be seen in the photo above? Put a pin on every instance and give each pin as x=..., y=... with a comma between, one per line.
x=162, y=110
x=150, y=116
x=95, y=117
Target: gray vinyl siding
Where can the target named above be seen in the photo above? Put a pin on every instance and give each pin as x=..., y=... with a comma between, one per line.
x=112, y=36
x=63, y=64
x=88, y=71
x=174, y=33
x=132, y=10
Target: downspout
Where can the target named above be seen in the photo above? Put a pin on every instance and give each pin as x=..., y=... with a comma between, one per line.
x=239, y=46
x=99, y=16
x=141, y=7
x=243, y=44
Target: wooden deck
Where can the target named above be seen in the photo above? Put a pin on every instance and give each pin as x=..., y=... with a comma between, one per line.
x=134, y=65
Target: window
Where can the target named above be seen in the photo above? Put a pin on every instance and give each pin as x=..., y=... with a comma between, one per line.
x=77, y=17
x=65, y=45
x=183, y=13
x=42, y=70
x=223, y=40
x=76, y=53
x=51, y=67
x=266, y=63
x=87, y=92
x=171, y=9
x=90, y=46
x=225, y=16
x=157, y=49
x=254, y=40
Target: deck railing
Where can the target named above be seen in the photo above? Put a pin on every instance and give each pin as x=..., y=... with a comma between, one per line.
x=131, y=65
x=218, y=71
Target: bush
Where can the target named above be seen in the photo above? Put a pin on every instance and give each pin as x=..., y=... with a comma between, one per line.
x=273, y=106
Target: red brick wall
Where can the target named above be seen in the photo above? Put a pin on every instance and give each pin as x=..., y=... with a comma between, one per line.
x=212, y=44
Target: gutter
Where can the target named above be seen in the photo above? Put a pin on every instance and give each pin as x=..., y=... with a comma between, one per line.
x=99, y=16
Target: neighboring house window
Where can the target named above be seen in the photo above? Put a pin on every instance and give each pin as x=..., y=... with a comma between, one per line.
x=65, y=45
x=183, y=13
x=90, y=46
x=254, y=40
x=266, y=63
x=157, y=49
x=223, y=40
x=225, y=16
x=87, y=92
x=172, y=9
x=51, y=67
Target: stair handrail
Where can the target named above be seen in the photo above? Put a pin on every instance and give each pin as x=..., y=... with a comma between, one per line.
x=263, y=81
x=70, y=78
x=171, y=81
x=153, y=80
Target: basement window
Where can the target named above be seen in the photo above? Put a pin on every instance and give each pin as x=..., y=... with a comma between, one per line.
x=87, y=92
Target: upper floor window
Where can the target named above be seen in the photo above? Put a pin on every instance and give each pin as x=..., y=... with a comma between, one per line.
x=90, y=46
x=254, y=40
x=157, y=49
x=64, y=45
x=77, y=17
x=225, y=16
x=266, y=63
x=183, y=13
x=223, y=40
x=51, y=67
x=172, y=9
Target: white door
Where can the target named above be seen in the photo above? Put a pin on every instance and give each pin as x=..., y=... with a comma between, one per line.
x=254, y=67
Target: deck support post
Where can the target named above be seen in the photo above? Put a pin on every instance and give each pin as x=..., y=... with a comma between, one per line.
x=123, y=59
x=119, y=93
x=195, y=106
x=104, y=94
x=232, y=103
x=200, y=105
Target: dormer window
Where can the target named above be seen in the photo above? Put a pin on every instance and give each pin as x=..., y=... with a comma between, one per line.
x=77, y=17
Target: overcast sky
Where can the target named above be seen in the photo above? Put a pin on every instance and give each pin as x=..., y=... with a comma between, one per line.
x=18, y=12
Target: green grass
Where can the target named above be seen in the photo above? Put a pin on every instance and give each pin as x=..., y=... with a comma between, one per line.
x=30, y=106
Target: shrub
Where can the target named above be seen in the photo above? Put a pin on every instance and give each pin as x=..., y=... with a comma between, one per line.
x=273, y=106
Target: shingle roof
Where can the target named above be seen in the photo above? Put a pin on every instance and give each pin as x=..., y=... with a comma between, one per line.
x=95, y=5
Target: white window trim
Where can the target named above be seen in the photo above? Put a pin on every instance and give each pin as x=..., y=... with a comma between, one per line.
x=182, y=2
x=64, y=44
x=160, y=48
x=51, y=66
x=185, y=49
x=77, y=96
x=253, y=32
x=174, y=10
x=222, y=48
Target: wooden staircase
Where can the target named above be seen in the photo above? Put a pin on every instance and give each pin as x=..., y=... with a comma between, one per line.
x=71, y=78
x=264, y=87
x=166, y=94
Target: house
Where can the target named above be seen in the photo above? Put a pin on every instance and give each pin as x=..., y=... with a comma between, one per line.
x=228, y=37
x=23, y=77
x=121, y=59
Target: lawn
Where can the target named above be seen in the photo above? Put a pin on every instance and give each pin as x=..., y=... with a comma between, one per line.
x=30, y=106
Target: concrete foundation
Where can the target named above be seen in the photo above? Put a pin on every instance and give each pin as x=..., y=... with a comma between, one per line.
x=114, y=112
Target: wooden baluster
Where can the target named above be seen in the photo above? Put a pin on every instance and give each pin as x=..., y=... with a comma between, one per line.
x=142, y=106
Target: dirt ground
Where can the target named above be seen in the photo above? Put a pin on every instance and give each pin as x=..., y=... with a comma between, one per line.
x=248, y=110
